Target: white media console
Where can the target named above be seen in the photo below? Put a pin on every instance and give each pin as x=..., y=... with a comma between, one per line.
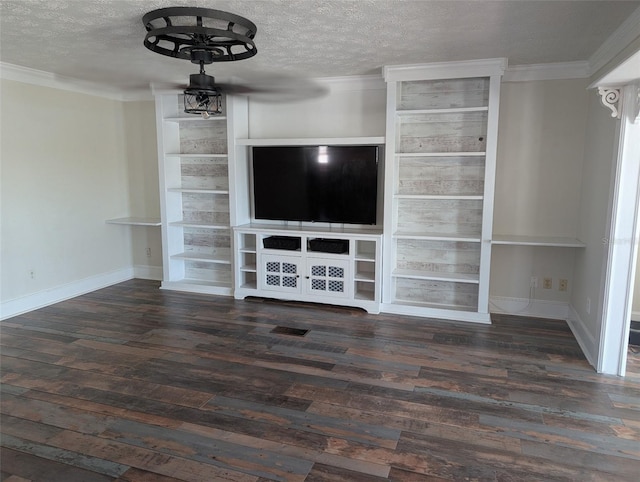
x=336, y=266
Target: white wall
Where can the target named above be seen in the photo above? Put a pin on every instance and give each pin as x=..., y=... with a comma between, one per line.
x=538, y=177
x=352, y=108
x=593, y=225
x=142, y=156
x=64, y=172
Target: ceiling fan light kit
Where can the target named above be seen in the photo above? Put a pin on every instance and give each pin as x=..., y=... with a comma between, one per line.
x=202, y=36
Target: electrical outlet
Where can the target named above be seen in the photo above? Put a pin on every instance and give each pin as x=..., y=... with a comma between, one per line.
x=148, y=252
x=547, y=283
x=534, y=282
x=563, y=284
x=32, y=274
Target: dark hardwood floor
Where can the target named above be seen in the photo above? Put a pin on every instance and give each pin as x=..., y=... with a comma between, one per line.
x=131, y=383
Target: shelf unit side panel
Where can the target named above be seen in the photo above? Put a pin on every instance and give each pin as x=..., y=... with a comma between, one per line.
x=489, y=190
x=390, y=225
x=239, y=172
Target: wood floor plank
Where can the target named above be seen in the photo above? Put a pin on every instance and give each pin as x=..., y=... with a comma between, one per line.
x=25, y=466
x=132, y=383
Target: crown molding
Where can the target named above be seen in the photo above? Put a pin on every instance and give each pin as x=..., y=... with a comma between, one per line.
x=552, y=71
x=353, y=82
x=616, y=42
x=41, y=78
x=438, y=70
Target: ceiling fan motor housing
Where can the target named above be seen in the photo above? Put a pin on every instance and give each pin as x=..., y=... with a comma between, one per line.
x=202, y=83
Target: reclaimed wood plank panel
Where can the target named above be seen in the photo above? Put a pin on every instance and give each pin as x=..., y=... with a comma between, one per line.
x=205, y=174
x=203, y=139
x=444, y=93
x=441, y=175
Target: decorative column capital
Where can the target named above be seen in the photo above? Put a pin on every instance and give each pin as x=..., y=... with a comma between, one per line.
x=610, y=99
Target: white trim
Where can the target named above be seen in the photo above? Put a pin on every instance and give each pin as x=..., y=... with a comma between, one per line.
x=147, y=272
x=585, y=339
x=551, y=71
x=622, y=244
x=312, y=141
x=635, y=316
x=26, y=75
x=440, y=70
x=610, y=99
x=616, y=42
x=557, y=310
x=50, y=296
x=436, y=313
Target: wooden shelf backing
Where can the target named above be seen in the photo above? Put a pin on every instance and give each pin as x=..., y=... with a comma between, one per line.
x=134, y=221
x=550, y=241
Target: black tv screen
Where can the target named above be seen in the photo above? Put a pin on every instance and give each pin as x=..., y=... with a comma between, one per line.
x=334, y=184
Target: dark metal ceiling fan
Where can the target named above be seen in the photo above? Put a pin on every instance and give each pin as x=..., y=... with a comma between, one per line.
x=204, y=36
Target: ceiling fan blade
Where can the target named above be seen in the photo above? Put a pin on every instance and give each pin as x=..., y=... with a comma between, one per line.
x=276, y=90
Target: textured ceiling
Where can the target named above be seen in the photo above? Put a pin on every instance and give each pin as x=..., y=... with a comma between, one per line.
x=101, y=40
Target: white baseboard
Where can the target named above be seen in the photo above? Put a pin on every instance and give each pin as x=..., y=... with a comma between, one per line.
x=50, y=296
x=635, y=316
x=585, y=339
x=536, y=308
x=147, y=272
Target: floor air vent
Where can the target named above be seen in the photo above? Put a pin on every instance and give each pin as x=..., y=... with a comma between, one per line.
x=285, y=330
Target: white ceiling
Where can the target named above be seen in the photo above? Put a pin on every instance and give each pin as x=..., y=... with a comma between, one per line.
x=101, y=40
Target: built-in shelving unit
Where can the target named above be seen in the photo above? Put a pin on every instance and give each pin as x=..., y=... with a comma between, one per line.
x=440, y=168
x=196, y=159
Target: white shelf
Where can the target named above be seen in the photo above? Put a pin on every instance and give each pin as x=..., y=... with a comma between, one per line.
x=475, y=238
x=133, y=221
x=436, y=306
x=463, y=197
x=446, y=110
x=195, y=156
x=441, y=154
x=306, y=230
x=312, y=141
x=249, y=268
x=365, y=276
x=198, y=225
x=188, y=283
x=198, y=191
x=195, y=118
x=437, y=276
x=365, y=257
x=549, y=241
x=207, y=258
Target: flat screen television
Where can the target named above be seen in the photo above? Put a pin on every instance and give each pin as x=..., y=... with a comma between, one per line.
x=333, y=184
